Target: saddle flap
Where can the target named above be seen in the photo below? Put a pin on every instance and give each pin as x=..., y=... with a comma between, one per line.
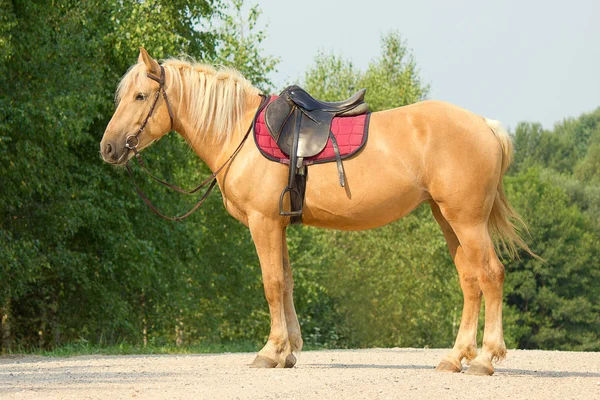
x=277, y=113
x=313, y=135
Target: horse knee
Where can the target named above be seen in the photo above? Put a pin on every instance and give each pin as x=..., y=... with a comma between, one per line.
x=274, y=289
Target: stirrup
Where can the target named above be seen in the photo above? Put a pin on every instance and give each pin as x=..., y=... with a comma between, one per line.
x=291, y=213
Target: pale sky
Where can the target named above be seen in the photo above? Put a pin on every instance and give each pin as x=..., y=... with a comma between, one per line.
x=528, y=60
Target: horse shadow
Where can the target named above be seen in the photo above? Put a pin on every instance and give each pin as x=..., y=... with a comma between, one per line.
x=500, y=372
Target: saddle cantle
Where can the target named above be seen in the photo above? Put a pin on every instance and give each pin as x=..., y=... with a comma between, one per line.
x=301, y=127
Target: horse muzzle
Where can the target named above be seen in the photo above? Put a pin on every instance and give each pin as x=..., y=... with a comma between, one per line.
x=112, y=153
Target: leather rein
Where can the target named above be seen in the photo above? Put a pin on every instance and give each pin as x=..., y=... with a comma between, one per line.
x=132, y=141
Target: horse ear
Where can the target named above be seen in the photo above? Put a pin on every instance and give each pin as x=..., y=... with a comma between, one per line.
x=151, y=64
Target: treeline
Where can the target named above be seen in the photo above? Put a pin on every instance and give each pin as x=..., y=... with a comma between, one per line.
x=82, y=259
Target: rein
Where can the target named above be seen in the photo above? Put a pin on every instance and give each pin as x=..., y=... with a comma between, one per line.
x=132, y=141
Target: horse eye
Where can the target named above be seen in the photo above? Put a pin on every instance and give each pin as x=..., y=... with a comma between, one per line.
x=140, y=96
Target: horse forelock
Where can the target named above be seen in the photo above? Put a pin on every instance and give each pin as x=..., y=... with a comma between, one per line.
x=134, y=77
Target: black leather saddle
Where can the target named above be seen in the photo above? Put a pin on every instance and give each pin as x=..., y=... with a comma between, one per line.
x=301, y=127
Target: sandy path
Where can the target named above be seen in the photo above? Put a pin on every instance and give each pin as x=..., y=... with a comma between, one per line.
x=346, y=374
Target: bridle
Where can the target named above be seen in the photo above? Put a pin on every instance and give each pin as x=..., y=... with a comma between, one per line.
x=132, y=141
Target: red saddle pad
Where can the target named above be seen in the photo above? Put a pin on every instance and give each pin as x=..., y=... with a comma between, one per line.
x=350, y=133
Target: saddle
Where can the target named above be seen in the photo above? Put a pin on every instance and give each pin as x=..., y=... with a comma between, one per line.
x=301, y=127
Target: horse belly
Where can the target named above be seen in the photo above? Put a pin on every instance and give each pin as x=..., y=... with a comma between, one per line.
x=338, y=212
x=382, y=185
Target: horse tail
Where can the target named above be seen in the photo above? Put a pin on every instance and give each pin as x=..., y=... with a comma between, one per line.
x=504, y=222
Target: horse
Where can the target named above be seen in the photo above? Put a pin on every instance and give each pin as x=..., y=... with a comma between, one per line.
x=430, y=151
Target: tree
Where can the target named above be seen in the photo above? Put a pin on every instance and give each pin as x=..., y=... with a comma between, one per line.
x=392, y=80
x=554, y=304
x=239, y=45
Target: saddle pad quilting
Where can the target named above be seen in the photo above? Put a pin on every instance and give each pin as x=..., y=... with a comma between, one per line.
x=350, y=133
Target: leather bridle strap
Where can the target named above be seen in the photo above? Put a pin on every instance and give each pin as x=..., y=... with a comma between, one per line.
x=133, y=140
x=212, y=179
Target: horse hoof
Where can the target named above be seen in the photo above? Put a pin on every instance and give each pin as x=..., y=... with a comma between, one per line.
x=290, y=361
x=448, y=366
x=263, y=362
x=480, y=369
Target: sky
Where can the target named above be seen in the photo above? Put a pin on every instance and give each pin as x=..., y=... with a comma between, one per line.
x=528, y=60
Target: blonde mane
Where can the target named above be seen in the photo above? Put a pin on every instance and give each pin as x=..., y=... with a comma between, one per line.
x=212, y=99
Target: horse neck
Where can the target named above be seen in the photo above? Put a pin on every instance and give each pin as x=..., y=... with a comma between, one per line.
x=214, y=152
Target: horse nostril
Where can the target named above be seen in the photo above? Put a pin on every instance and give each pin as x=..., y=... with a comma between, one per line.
x=109, y=151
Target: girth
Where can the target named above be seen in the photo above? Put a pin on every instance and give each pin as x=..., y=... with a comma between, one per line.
x=301, y=127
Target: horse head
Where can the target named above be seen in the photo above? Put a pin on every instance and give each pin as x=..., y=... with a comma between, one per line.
x=143, y=114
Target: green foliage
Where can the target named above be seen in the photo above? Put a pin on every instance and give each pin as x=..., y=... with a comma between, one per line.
x=392, y=80
x=554, y=304
x=167, y=27
x=331, y=77
x=564, y=149
x=556, y=187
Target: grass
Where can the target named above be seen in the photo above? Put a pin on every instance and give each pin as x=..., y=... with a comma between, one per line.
x=84, y=348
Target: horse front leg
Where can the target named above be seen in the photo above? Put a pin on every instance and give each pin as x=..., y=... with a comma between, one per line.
x=268, y=238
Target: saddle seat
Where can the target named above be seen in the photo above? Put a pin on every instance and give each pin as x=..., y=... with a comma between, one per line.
x=301, y=127
x=354, y=105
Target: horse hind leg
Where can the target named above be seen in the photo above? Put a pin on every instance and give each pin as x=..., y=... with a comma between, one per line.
x=465, y=345
x=479, y=252
x=491, y=280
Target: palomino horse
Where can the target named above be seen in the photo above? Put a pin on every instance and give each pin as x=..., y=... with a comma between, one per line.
x=429, y=151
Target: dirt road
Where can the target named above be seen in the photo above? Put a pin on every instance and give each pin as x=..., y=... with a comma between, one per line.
x=340, y=374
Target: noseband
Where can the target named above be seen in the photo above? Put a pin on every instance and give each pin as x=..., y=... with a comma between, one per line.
x=132, y=141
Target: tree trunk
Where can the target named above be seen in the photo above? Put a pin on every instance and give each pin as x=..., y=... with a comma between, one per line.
x=179, y=330
x=42, y=331
x=6, y=337
x=144, y=322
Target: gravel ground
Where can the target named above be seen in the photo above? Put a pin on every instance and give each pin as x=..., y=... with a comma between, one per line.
x=347, y=374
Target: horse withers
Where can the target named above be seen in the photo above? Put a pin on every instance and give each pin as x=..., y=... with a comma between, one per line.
x=429, y=151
